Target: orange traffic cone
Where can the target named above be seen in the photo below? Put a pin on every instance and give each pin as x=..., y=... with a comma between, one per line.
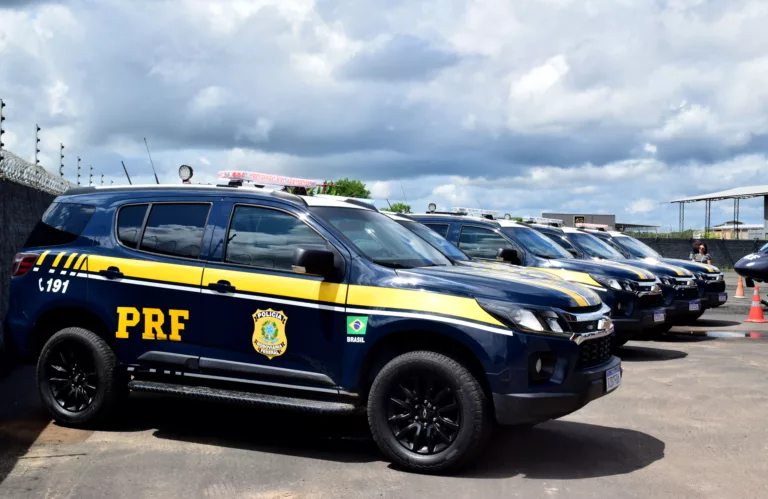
x=756, y=310
x=739, y=289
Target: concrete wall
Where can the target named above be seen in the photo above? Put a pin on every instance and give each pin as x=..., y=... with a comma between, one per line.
x=724, y=253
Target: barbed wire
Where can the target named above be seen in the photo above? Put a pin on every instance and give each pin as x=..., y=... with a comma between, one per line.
x=15, y=169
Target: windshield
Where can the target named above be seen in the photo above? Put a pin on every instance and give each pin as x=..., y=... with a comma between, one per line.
x=535, y=242
x=764, y=249
x=594, y=247
x=635, y=247
x=381, y=239
x=436, y=240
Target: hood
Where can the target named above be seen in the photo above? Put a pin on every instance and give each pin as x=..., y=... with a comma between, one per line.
x=603, y=268
x=754, y=266
x=477, y=282
x=696, y=268
x=509, y=268
x=657, y=267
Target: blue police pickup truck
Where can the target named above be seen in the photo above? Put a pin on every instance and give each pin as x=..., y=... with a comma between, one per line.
x=709, y=280
x=633, y=294
x=262, y=297
x=682, y=303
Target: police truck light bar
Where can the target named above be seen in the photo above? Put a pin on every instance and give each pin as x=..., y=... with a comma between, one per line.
x=265, y=179
x=582, y=225
x=555, y=222
x=474, y=211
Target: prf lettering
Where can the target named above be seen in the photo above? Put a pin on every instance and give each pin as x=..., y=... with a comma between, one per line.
x=154, y=319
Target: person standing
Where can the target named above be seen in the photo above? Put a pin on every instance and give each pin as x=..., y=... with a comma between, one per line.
x=702, y=256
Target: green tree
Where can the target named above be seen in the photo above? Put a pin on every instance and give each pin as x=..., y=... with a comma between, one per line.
x=399, y=208
x=348, y=188
x=517, y=219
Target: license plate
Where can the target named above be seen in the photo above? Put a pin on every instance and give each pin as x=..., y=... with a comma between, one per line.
x=658, y=317
x=694, y=306
x=612, y=378
x=723, y=297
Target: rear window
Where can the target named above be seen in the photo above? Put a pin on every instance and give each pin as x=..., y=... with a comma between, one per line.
x=129, y=223
x=62, y=223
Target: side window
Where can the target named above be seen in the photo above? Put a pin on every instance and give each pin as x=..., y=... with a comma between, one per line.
x=441, y=229
x=481, y=243
x=175, y=229
x=62, y=223
x=129, y=222
x=266, y=238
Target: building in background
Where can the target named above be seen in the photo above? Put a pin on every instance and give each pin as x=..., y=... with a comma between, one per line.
x=739, y=230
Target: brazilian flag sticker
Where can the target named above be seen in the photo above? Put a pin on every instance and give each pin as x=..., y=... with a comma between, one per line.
x=357, y=324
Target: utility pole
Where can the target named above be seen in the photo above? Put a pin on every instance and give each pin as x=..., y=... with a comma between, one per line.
x=78, y=170
x=102, y=179
x=37, y=144
x=61, y=159
x=2, y=118
x=90, y=176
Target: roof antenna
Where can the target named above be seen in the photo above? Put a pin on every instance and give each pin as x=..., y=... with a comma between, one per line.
x=478, y=203
x=401, y=188
x=150, y=160
x=126, y=173
x=390, y=204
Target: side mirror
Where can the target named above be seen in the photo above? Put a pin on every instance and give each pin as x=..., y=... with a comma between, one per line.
x=508, y=255
x=314, y=262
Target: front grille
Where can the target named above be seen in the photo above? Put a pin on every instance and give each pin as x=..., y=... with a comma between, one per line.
x=594, y=352
x=651, y=301
x=715, y=286
x=688, y=293
x=584, y=327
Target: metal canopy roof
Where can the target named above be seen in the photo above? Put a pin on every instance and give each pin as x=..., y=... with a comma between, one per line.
x=737, y=193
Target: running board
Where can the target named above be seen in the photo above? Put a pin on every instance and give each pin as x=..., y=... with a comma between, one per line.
x=246, y=398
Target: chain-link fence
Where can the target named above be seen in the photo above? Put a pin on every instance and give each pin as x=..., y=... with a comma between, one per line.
x=23, y=172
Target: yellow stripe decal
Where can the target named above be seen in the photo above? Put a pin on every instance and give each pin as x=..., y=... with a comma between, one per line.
x=628, y=268
x=288, y=287
x=146, y=269
x=571, y=276
x=58, y=258
x=69, y=260
x=79, y=262
x=407, y=299
x=42, y=257
x=670, y=267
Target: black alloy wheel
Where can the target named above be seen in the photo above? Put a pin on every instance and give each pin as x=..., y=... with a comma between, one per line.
x=78, y=377
x=424, y=413
x=71, y=373
x=428, y=413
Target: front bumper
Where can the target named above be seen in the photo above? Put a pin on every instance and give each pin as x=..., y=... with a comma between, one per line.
x=714, y=299
x=681, y=309
x=583, y=387
x=639, y=320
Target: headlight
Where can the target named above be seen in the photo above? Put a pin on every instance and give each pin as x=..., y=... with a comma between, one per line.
x=537, y=321
x=610, y=282
x=666, y=280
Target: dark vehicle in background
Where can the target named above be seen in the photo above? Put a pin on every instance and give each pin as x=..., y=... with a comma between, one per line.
x=709, y=279
x=754, y=267
x=633, y=294
x=681, y=294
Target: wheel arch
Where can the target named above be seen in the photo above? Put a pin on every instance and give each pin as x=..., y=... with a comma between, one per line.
x=397, y=343
x=55, y=319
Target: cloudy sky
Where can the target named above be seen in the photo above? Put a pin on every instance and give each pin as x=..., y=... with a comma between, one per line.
x=585, y=106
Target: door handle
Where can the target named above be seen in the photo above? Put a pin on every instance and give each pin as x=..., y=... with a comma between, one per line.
x=111, y=273
x=222, y=287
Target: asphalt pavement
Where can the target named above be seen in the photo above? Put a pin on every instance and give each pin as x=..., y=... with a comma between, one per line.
x=688, y=421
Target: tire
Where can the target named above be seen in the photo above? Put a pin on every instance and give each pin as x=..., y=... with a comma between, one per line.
x=618, y=342
x=88, y=367
x=426, y=375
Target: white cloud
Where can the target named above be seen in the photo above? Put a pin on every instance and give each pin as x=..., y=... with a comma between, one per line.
x=641, y=206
